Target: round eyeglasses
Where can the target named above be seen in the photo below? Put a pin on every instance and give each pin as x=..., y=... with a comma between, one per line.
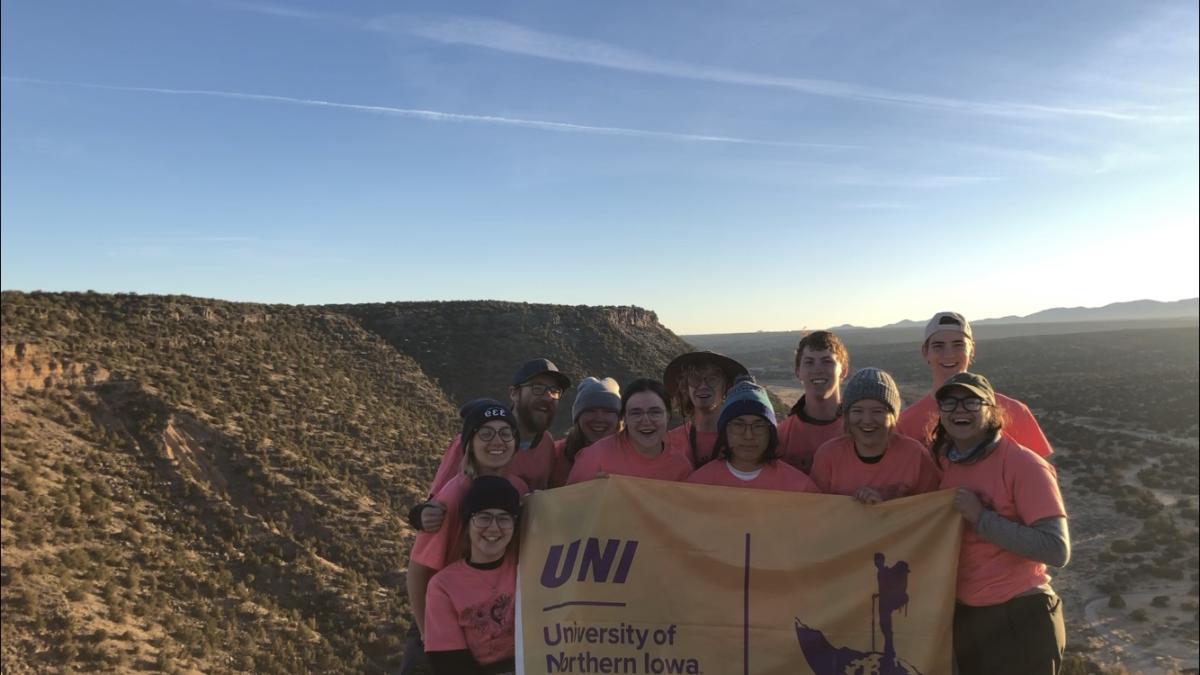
x=543, y=390
x=483, y=520
x=739, y=428
x=969, y=403
x=487, y=433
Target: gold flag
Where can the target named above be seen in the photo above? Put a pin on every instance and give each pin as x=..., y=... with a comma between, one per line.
x=631, y=575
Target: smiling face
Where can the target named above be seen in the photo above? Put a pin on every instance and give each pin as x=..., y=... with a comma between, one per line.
x=820, y=372
x=596, y=423
x=705, y=386
x=947, y=352
x=489, y=543
x=964, y=427
x=491, y=456
x=748, y=437
x=646, y=421
x=535, y=412
x=870, y=423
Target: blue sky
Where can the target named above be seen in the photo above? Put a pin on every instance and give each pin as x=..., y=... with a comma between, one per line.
x=734, y=167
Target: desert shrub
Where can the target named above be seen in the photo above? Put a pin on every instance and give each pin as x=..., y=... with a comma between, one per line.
x=1115, y=601
x=1139, y=615
x=1161, y=601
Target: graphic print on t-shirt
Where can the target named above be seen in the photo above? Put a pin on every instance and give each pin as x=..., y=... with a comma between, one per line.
x=488, y=621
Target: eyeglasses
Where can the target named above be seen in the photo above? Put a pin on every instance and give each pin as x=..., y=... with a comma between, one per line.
x=487, y=433
x=739, y=428
x=543, y=390
x=483, y=520
x=653, y=414
x=697, y=378
x=970, y=403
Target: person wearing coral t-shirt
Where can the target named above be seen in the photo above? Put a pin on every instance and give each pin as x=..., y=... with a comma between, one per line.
x=949, y=348
x=747, y=445
x=1008, y=619
x=639, y=449
x=534, y=393
x=871, y=462
x=822, y=363
x=596, y=414
x=696, y=384
x=537, y=387
x=490, y=431
x=469, y=608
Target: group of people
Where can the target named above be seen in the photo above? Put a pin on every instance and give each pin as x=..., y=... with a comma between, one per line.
x=847, y=435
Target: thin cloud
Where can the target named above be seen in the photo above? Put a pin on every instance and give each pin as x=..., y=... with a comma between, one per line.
x=876, y=206
x=439, y=116
x=189, y=240
x=913, y=182
x=514, y=39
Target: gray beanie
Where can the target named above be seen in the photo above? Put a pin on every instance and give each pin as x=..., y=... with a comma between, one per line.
x=595, y=393
x=874, y=384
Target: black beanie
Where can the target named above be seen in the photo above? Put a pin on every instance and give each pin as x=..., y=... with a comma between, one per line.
x=480, y=411
x=490, y=492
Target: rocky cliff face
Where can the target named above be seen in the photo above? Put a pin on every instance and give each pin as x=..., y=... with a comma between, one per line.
x=196, y=485
x=473, y=348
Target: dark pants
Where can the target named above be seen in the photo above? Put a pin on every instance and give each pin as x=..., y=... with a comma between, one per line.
x=414, y=660
x=1024, y=636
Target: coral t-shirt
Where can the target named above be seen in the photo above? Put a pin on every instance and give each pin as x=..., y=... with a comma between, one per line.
x=435, y=550
x=773, y=475
x=919, y=419
x=534, y=465
x=471, y=608
x=616, y=455
x=679, y=442
x=1018, y=485
x=906, y=468
x=800, y=436
x=562, y=467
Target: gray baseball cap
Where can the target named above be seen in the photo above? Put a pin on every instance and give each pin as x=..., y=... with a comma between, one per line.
x=948, y=321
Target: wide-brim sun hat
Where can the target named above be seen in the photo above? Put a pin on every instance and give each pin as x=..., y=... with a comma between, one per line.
x=730, y=367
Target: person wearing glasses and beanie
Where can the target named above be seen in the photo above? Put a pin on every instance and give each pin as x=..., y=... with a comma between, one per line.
x=596, y=414
x=949, y=348
x=490, y=431
x=696, y=385
x=534, y=393
x=747, y=445
x=870, y=461
x=1008, y=619
x=469, y=608
x=638, y=449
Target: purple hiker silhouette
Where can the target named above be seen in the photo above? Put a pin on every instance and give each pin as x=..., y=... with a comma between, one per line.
x=893, y=595
x=825, y=659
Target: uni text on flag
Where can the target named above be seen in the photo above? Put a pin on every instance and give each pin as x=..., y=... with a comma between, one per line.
x=632, y=575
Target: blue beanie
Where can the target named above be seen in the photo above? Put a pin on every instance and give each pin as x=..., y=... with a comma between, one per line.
x=745, y=397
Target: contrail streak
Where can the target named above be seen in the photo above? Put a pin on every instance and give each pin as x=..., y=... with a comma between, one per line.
x=435, y=115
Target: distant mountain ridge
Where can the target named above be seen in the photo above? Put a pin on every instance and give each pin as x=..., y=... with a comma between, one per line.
x=1133, y=310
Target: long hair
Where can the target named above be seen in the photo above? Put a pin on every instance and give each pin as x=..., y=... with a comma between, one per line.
x=682, y=400
x=462, y=547
x=576, y=441
x=468, y=460
x=939, y=439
